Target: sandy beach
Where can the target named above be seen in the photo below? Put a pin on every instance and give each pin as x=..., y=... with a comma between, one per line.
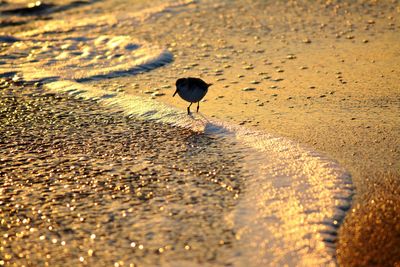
x=324, y=74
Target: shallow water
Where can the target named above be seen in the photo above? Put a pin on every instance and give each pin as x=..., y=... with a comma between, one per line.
x=81, y=184
x=293, y=199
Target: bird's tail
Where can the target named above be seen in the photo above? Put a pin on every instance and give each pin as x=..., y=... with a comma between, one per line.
x=175, y=93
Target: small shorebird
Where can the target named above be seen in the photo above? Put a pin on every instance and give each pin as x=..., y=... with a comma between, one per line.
x=192, y=90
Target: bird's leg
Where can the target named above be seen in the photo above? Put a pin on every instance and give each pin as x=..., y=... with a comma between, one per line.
x=198, y=106
x=188, y=109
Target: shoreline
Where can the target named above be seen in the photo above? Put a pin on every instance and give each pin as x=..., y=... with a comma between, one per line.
x=325, y=75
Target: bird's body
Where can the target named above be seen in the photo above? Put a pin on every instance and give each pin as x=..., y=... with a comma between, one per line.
x=192, y=90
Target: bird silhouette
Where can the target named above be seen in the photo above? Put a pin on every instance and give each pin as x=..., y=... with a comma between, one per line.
x=192, y=90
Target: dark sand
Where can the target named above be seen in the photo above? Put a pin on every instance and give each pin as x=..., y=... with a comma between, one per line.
x=370, y=235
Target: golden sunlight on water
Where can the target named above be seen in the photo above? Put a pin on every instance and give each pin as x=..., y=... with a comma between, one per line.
x=247, y=195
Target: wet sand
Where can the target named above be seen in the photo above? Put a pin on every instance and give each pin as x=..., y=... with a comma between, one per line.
x=323, y=74
x=85, y=185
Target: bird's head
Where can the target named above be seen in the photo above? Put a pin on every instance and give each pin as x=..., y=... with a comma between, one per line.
x=179, y=83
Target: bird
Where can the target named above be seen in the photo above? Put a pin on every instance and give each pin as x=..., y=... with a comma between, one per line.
x=192, y=90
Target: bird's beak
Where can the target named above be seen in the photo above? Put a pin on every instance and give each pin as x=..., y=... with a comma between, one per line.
x=175, y=93
x=208, y=85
